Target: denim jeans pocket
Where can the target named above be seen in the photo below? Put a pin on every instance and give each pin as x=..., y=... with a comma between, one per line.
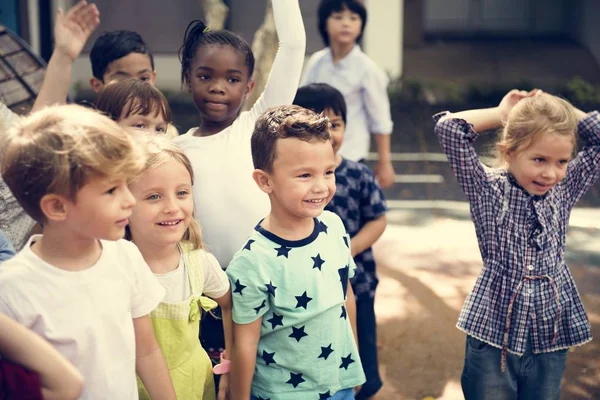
x=476, y=345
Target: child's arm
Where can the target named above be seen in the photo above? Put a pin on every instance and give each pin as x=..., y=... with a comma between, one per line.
x=584, y=169
x=71, y=31
x=457, y=131
x=384, y=170
x=287, y=67
x=59, y=379
x=351, y=310
x=150, y=364
x=225, y=303
x=243, y=358
x=368, y=235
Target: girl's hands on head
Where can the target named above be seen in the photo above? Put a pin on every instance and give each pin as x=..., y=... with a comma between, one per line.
x=73, y=29
x=512, y=98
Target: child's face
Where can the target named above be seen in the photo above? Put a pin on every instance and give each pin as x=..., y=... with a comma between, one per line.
x=101, y=209
x=303, y=180
x=543, y=164
x=165, y=204
x=343, y=27
x=133, y=65
x=153, y=123
x=219, y=83
x=337, y=129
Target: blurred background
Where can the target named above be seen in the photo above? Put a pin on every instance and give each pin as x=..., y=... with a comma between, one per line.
x=439, y=55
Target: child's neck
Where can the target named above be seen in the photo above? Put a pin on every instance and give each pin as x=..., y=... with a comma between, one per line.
x=160, y=259
x=287, y=227
x=67, y=251
x=209, y=128
x=340, y=50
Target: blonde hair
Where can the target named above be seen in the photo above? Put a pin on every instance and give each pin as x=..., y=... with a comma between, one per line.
x=61, y=148
x=532, y=118
x=160, y=150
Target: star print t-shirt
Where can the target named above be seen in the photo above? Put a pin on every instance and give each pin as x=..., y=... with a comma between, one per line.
x=306, y=348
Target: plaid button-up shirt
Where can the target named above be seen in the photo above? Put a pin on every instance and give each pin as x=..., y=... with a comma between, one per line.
x=522, y=242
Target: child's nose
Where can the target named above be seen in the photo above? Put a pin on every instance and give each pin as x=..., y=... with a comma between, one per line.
x=129, y=199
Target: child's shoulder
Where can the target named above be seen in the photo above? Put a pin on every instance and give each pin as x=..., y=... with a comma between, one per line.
x=330, y=220
x=318, y=55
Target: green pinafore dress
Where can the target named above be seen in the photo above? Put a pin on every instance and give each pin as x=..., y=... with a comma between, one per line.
x=176, y=327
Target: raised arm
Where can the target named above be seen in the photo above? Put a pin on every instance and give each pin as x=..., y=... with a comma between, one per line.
x=71, y=31
x=59, y=379
x=457, y=131
x=285, y=73
x=584, y=169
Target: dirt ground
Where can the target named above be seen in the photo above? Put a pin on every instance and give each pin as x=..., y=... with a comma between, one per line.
x=427, y=266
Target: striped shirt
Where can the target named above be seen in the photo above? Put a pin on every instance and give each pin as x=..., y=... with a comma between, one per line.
x=525, y=286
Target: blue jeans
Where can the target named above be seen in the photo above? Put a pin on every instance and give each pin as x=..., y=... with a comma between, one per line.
x=530, y=377
x=345, y=394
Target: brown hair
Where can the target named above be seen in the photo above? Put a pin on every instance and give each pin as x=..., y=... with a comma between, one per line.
x=532, y=117
x=122, y=98
x=160, y=150
x=59, y=149
x=281, y=123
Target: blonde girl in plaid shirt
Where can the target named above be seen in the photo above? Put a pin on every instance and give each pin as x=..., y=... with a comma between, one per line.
x=524, y=312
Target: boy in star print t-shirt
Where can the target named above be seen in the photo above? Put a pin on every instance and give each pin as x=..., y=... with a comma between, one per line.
x=292, y=332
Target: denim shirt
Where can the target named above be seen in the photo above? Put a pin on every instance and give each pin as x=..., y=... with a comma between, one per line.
x=525, y=286
x=6, y=249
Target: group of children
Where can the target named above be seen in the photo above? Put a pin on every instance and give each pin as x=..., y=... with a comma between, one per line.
x=136, y=227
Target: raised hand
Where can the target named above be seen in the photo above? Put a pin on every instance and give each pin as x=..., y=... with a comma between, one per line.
x=512, y=98
x=73, y=29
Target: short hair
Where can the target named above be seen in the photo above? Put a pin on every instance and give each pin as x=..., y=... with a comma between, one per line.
x=320, y=97
x=158, y=150
x=532, y=117
x=131, y=96
x=61, y=148
x=111, y=46
x=328, y=7
x=198, y=35
x=285, y=122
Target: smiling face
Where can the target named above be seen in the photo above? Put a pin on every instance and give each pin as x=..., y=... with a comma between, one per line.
x=303, y=180
x=219, y=83
x=543, y=164
x=165, y=204
x=101, y=209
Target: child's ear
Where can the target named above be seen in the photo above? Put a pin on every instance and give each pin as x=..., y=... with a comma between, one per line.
x=96, y=84
x=263, y=180
x=249, y=87
x=54, y=207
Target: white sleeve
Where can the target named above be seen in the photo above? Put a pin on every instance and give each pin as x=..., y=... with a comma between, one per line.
x=282, y=84
x=147, y=292
x=377, y=102
x=216, y=283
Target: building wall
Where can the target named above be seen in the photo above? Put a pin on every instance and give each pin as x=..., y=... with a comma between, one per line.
x=583, y=24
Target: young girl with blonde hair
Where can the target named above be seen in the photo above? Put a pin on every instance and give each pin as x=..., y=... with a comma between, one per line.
x=164, y=229
x=524, y=312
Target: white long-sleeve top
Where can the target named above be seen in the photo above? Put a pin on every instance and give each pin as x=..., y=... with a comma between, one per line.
x=228, y=202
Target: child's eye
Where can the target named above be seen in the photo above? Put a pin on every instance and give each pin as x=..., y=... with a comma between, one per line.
x=539, y=160
x=203, y=77
x=111, y=190
x=234, y=80
x=182, y=193
x=153, y=197
x=139, y=126
x=304, y=176
x=144, y=78
x=161, y=129
x=330, y=172
x=563, y=162
x=335, y=126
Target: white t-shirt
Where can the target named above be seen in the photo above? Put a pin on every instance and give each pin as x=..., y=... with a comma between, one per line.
x=228, y=202
x=177, y=282
x=86, y=315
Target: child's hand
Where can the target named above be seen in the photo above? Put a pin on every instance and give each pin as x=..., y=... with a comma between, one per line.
x=72, y=30
x=512, y=98
x=223, y=387
x=384, y=172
